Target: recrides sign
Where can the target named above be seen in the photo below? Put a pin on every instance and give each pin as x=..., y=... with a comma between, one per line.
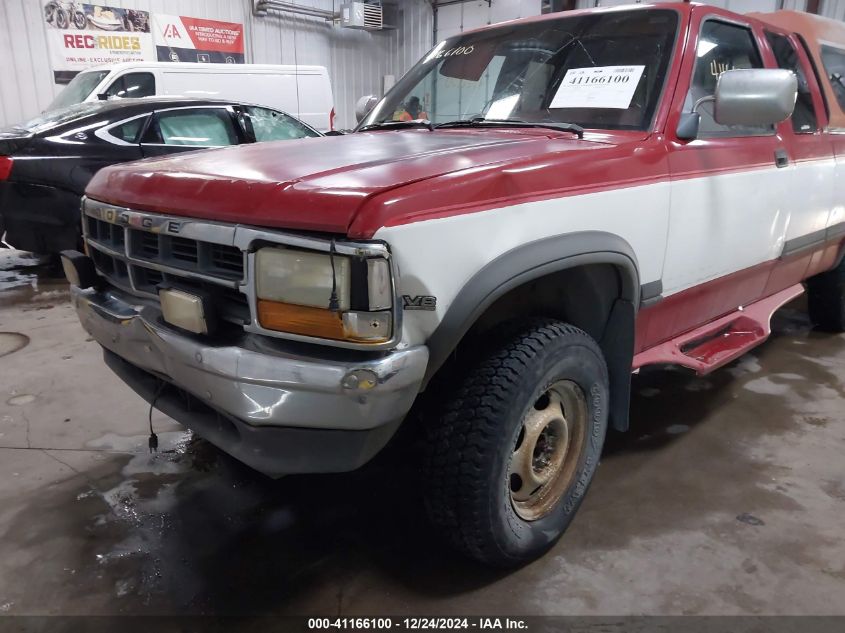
x=83, y=35
x=184, y=39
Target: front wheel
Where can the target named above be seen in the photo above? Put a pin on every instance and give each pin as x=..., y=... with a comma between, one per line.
x=79, y=20
x=62, y=20
x=510, y=459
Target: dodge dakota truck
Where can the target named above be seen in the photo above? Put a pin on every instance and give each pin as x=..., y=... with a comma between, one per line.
x=535, y=211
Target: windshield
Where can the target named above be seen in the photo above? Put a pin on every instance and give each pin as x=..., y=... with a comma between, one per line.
x=78, y=89
x=53, y=118
x=601, y=70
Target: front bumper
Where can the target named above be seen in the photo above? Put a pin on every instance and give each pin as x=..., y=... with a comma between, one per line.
x=277, y=410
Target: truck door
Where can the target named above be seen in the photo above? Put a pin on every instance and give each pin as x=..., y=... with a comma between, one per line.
x=730, y=186
x=814, y=174
x=833, y=66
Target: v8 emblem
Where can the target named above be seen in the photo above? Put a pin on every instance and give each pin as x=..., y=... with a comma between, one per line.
x=419, y=302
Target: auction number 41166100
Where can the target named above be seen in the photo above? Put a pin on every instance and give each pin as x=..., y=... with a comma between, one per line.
x=418, y=624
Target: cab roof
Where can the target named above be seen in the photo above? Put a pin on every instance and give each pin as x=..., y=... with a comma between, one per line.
x=682, y=7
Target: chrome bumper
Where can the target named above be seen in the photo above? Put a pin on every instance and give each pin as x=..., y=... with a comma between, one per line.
x=252, y=382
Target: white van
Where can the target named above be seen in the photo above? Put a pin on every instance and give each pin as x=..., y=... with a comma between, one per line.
x=303, y=91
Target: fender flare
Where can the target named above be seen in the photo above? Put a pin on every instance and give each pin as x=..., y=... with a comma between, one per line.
x=537, y=259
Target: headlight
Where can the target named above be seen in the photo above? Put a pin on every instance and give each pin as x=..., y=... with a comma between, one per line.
x=295, y=289
x=301, y=277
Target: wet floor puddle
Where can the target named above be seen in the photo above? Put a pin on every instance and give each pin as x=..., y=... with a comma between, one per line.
x=11, y=342
x=26, y=276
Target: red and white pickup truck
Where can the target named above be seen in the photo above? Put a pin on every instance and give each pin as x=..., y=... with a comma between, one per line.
x=535, y=211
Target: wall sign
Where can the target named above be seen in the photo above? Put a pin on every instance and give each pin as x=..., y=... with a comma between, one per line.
x=83, y=35
x=184, y=39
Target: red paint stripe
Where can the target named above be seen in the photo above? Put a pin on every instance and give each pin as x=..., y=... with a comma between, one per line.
x=718, y=342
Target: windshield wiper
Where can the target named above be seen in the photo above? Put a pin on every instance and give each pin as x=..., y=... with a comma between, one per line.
x=398, y=125
x=482, y=122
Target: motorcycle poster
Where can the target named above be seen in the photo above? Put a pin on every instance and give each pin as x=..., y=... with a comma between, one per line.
x=83, y=35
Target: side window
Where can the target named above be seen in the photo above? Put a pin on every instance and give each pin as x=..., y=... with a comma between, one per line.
x=129, y=131
x=269, y=125
x=804, y=115
x=193, y=127
x=834, y=65
x=721, y=47
x=133, y=85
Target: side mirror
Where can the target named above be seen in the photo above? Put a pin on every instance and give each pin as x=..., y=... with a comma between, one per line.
x=755, y=96
x=750, y=96
x=364, y=105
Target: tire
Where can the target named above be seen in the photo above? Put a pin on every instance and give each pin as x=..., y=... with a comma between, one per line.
x=79, y=20
x=61, y=18
x=484, y=446
x=826, y=299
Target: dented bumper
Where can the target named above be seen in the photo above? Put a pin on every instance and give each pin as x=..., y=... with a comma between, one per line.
x=279, y=411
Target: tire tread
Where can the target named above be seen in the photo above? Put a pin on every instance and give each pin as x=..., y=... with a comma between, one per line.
x=458, y=442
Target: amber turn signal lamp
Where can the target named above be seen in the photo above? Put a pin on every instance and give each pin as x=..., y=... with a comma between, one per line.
x=358, y=327
x=304, y=320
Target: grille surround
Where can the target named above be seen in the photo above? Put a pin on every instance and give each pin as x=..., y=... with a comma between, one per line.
x=137, y=256
x=228, y=273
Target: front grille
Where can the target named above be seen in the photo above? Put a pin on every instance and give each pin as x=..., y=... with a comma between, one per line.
x=106, y=233
x=227, y=258
x=184, y=250
x=219, y=260
x=143, y=244
x=139, y=260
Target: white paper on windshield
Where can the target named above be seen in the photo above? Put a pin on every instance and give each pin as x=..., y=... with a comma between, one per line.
x=502, y=108
x=598, y=87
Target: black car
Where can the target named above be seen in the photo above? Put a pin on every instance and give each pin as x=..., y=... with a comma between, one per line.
x=46, y=163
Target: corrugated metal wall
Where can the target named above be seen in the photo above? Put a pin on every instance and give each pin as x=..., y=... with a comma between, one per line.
x=829, y=8
x=357, y=61
x=457, y=18
x=833, y=9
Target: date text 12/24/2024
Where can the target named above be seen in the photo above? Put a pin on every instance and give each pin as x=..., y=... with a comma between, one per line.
x=418, y=624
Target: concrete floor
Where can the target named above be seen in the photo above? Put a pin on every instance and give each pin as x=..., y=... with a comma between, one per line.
x=727, y=497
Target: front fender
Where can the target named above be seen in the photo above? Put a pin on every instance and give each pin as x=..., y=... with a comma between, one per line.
x=537, y=259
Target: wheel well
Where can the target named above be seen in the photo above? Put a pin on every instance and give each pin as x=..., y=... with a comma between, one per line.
x=593, y=297
x=582, y=296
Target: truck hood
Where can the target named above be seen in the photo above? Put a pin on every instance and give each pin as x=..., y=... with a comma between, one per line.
x=318, y=184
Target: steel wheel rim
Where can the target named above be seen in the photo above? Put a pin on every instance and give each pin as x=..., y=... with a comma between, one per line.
x=546, y=451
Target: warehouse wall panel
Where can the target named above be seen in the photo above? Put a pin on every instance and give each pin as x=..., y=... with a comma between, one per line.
x=457, y=18
x=833, y=9
x=357, y=60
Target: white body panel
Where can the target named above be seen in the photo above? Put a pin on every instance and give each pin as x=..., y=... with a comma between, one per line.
x=722, y=224
x=837, y=214
x=438, y=257
x=684, y=232
x=812, y=197
x=302, y=91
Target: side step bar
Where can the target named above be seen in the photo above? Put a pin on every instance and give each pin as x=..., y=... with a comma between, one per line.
x=719, y=342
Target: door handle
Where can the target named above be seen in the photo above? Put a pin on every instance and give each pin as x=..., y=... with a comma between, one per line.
x=781, y=158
